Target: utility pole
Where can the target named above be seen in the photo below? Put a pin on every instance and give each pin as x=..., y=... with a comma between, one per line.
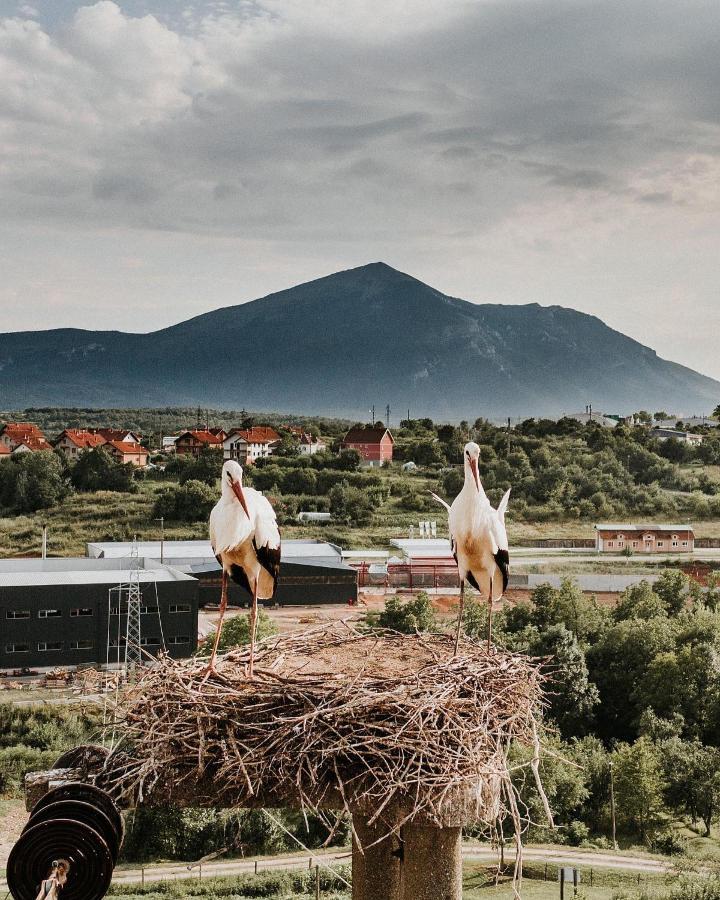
x=44, y=540
x=387, y=416
x=508, y=435
x=161, y=520
x=133, y=636
x=372, y=412
x=612, y=804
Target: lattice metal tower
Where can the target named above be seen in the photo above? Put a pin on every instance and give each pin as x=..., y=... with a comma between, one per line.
x=133, y=634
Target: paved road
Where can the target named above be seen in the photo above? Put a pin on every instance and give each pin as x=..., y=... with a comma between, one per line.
x=476, y=852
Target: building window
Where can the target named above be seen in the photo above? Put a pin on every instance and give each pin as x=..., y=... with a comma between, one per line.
x=17, y=648
x=17, y=614
x=49, y=614
x=675, y=543
x=661, y=543
x=114, y=642
x=149, y=641
x=180, y=608
x=81, y=611
x=49, y=645
x=81, y=645
x=684, y=543
x=179, y=639
x=610, y=544
x=635, y=543
x=621, y=543
x=621, y=537
x=674, y=537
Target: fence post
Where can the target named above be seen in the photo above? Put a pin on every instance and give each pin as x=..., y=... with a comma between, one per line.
x=200, y=875
x=310, y=863
x=545, y=879
x=256, y=867
x=142, y=876
x=317, y=882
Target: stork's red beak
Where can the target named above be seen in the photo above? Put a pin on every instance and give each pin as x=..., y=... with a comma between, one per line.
x=238, y=491
x=474, y=470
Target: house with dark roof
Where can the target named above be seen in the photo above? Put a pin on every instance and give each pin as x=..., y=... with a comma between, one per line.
x=118, y=434
x=375, y=445
x=193, y=443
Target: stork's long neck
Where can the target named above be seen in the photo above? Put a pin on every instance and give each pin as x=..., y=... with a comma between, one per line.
x=470, y=487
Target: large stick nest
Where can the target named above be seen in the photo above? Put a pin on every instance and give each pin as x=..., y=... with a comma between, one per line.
x=392, y=726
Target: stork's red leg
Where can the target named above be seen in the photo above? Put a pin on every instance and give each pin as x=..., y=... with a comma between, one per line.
x=223, y=607
x=490, y=612
x=460, y=616
x=253, y=628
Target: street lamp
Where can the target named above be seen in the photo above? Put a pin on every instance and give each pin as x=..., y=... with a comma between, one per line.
x=612, y=804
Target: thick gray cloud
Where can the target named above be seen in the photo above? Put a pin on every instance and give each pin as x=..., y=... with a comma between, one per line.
x=158, y=159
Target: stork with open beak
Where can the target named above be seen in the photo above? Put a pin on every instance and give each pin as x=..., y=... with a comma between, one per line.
x=246, y=541
x=478, y=538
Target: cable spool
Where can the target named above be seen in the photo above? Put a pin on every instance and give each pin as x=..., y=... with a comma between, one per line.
x=30, y=860
x=83, y=757
x=84, y=793
x=78, y=811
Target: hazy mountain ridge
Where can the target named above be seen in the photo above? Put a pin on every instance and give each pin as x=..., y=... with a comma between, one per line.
x=340, y=343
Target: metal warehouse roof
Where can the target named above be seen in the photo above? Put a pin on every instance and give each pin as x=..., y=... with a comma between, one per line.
x=201, y=568
x=80, y=570
x=201, y=550
x=602, y=584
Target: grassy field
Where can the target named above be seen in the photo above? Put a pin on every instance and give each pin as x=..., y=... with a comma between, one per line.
x=106, y=515
x=479, y=883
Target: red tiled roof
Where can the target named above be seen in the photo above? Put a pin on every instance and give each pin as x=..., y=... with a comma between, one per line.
x=204, y=437
x=366, y=436
x=113, y=434
x=81, y=438
x=128, y=447
x=34, y=442
x=5, y=450
x=259, y=434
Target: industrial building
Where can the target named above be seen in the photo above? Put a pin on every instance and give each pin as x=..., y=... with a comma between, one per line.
x=70, y=612
x=311, y=572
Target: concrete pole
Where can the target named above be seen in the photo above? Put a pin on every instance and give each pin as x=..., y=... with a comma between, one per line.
x=376, y=872
x=433, y=863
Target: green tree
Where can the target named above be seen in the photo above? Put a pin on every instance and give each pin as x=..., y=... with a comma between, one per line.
x=639, y=786
x=672, y=587
x=33, y=481
x=96, y=470
x=350, y=504
x=236, y=632
x=406, y=616
x=639, y=601
x=206, y=467
x=573, y=697
x=189, y=502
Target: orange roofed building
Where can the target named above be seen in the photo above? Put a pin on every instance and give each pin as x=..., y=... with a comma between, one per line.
x=248, y=444
x=23, y=437
x=375, y=445
x=192, y=443
x=644, y=538
x=72, y=441
x=127, y=452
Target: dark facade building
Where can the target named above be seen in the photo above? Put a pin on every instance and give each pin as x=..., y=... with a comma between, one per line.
x=70, y=612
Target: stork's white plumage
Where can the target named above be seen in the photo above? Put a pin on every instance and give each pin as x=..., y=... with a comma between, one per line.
x=478, y=537
x=246, y=541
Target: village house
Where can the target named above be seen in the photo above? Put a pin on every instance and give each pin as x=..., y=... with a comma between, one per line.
x=73, y=441
x=307, y=444
x=375, y=445
x=245, y=445
x=193, y=443
x=5, y=452
x=118, y=434
x=23, y=437
x=644, y=538
x=685, y=437
x=127, y=452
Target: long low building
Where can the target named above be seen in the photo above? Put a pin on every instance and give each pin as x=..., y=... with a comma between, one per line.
x=311, y=572
x=652, y=538
x=70, y=612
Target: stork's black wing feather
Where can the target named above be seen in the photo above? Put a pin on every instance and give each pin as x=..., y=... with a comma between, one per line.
x=237, y=573
x=502, y=558
x=269, y=559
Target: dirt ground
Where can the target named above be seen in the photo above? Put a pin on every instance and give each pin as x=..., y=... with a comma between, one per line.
x=12, y=818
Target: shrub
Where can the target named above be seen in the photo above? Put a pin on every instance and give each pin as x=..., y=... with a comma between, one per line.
x=190, y=502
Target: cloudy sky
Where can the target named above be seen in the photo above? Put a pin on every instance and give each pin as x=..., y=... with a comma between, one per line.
x=161, y=158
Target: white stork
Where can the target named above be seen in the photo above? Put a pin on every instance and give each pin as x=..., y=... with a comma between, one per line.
x=246, y=541
x=478, y=538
